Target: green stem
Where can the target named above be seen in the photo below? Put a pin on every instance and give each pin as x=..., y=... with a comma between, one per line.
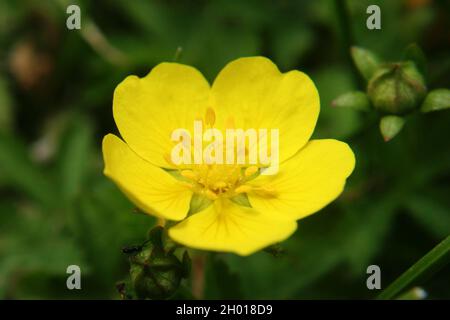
x=198, y=275
x=438, y=257
x=344, y=21
x=177, y=55
x=345, y=26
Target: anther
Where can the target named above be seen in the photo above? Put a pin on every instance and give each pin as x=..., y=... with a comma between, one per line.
x=210, y=195
x=210, y=117
x=168, y=159
x=250, y=171
x=189, y=174
x=266, y=191
x=243, y=189
x=220, y=185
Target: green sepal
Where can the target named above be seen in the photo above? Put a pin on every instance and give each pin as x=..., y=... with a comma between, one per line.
x=365, y=61
x=438, y=99
x=356, y=100
x=415, y=54
x=390, y=126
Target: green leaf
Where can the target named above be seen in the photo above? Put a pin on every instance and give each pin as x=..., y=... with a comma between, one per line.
x=390, y=126
x=357, y=100
x=438, y=257
x=438, y=99
x=365, y=61
x=414, y=53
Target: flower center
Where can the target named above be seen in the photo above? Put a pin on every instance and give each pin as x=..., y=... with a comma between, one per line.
x=215, y=180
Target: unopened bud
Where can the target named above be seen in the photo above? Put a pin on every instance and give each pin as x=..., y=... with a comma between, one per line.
x=397, y=88
x=155, y=272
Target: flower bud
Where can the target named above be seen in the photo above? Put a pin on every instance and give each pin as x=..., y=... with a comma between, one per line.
x=155, y=272
x=397, y=88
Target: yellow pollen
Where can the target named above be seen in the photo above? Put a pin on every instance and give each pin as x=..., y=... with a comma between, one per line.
x=250, y=171
x=210, y=117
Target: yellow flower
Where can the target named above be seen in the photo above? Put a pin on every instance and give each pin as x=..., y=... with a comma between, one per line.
x=224, y=207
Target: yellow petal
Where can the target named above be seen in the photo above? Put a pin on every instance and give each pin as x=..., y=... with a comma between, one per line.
x=147, y=110
x=227, y=226
x=150, y=188
x=255, y=94
x=306, y=183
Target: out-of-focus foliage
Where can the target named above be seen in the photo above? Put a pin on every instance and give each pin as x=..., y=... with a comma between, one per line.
x=56, y=86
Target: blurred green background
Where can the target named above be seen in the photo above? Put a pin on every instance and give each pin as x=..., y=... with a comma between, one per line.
x=56, y=86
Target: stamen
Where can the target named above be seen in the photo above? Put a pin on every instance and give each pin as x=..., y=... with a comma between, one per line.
x=220, y=185
x=168, y=158
x=210, y=195
x=189, y=174
x=187, y=185
x=210, y=117
x=243, y=189
x=266, y=191
x=250, y=171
